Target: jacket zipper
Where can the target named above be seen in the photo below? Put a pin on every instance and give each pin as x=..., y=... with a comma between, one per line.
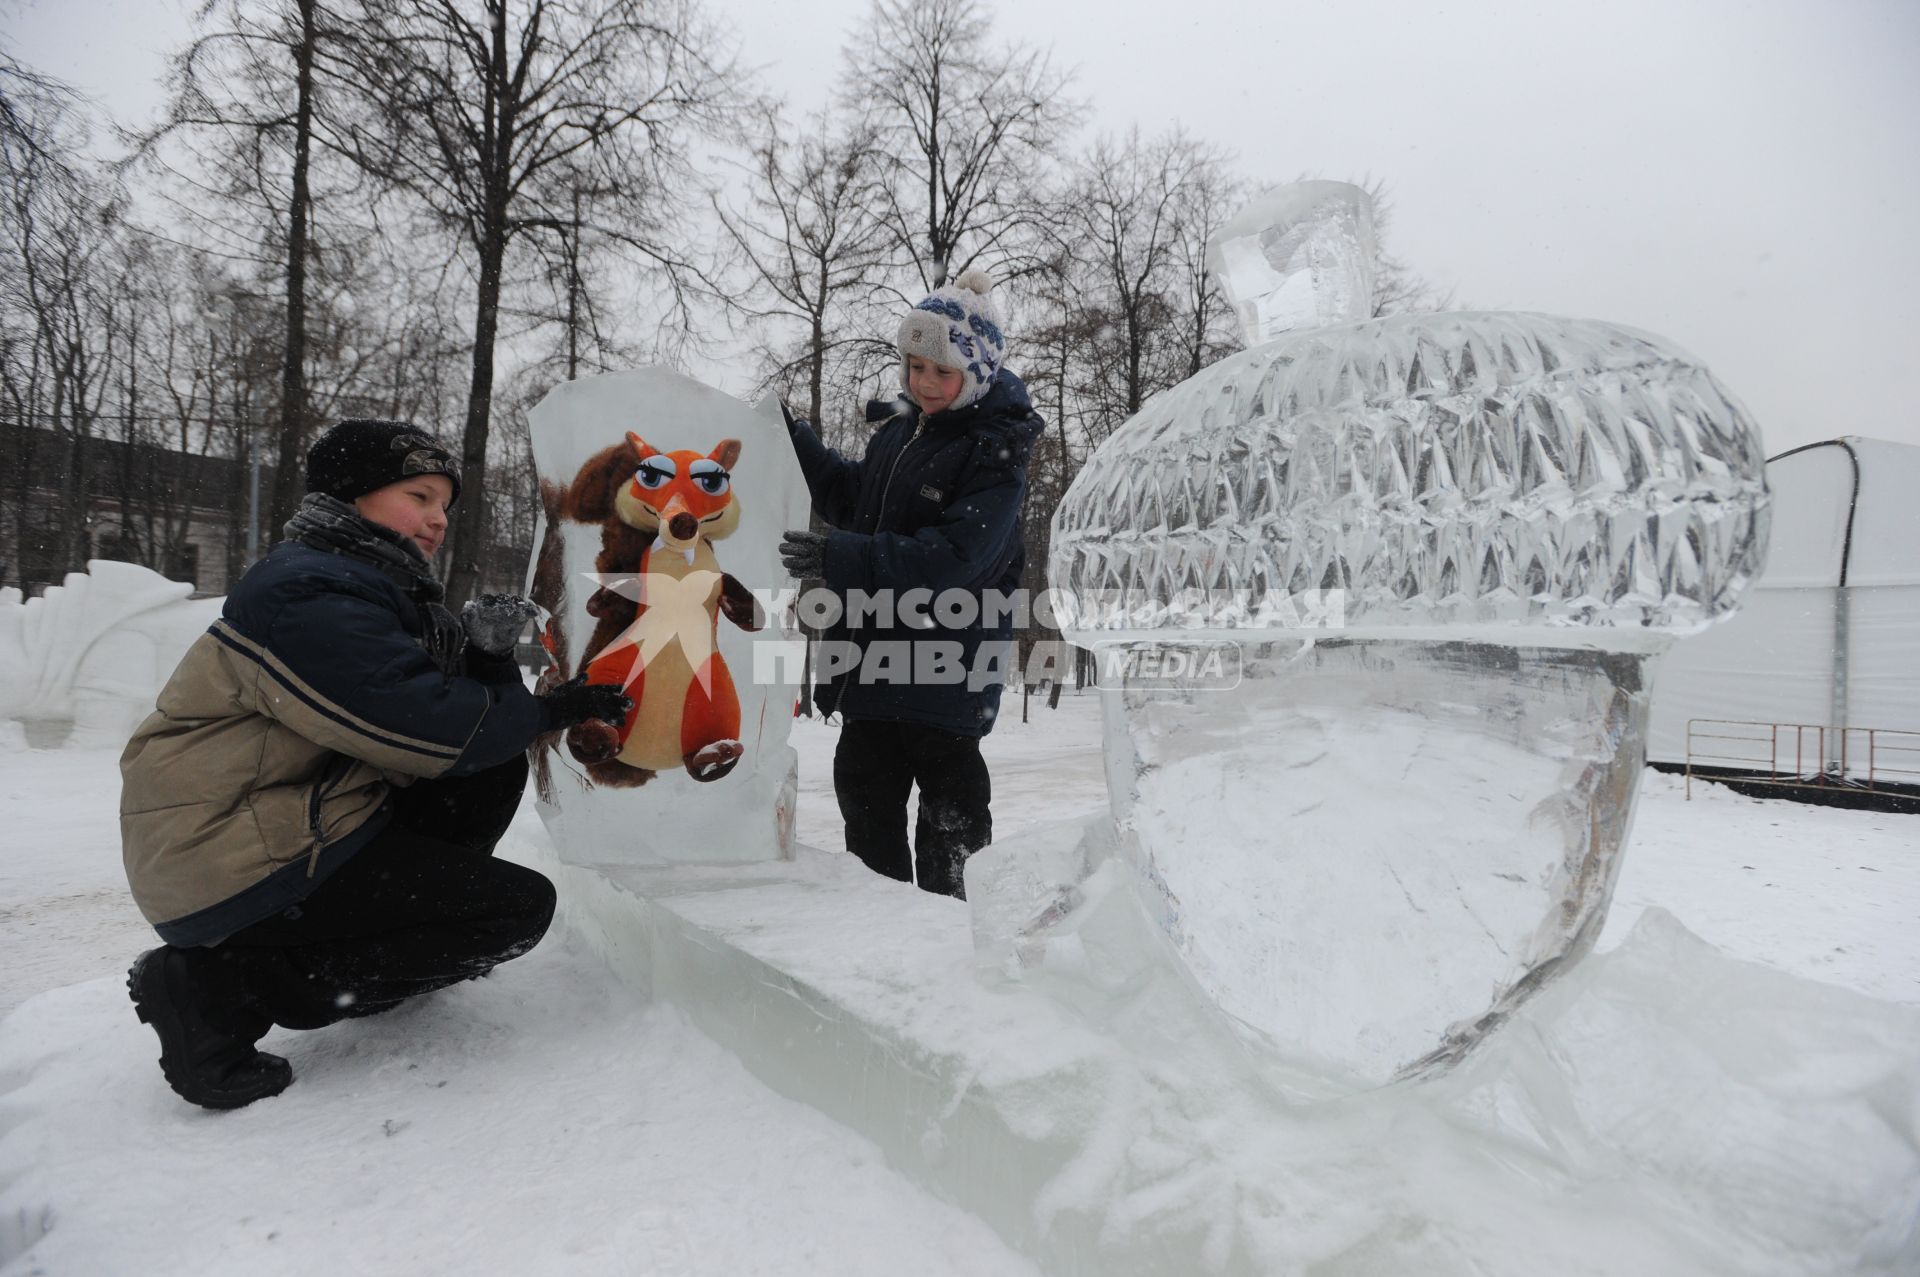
x=879, y=514
x=328, y=779
x=886, y=490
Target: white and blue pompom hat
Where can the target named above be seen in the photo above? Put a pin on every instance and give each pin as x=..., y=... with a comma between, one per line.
x=957, y=326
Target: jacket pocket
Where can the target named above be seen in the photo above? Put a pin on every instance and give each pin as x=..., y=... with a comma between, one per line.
x=335, y=772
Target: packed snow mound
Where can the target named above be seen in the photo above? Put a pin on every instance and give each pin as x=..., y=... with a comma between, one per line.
x=541, y=1122
x=81, y=664
x=1661, y=1108
x=1665, y=1109
x=1776, y=1115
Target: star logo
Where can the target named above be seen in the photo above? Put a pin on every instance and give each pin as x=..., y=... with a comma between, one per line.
x=673, y=610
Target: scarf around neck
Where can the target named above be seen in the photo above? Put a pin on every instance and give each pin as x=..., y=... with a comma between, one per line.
x=327, y=523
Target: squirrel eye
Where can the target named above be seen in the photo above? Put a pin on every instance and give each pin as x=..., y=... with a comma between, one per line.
x=651, y=477
x=712, y=484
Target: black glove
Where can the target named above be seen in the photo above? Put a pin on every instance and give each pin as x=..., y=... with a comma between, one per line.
x=493, y=621
x=576, y=700
x=804, y=554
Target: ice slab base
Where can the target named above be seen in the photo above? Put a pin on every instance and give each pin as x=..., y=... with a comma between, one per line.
x=1662, y=1109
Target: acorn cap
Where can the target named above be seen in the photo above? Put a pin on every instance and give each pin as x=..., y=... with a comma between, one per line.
x=1501, y=477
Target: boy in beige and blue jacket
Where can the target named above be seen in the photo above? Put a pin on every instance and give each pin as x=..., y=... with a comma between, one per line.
x=308, y=816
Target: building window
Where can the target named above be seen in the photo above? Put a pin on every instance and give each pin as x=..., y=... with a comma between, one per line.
x=184, y=564
x=117, y=544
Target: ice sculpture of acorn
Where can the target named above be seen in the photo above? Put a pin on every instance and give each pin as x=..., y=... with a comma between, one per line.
x=1377, y=603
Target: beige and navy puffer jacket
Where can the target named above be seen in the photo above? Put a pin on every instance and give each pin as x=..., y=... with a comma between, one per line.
x=269, y=758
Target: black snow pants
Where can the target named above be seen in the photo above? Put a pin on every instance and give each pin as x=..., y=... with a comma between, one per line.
x=874, y=768
x=421, y=906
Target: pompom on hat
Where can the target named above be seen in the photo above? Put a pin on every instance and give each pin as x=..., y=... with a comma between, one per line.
x=957, y=326
x=361, y=454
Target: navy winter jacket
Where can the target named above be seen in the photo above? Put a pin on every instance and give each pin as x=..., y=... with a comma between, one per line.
x=271, y=752
x=934, y=506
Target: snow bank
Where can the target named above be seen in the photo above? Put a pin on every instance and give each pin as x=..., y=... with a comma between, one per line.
x=541, y=1123
x=1664, y=1109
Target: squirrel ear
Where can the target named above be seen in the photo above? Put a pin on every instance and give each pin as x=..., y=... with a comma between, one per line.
x=640, y=447
x=590, y=498
x=726, y=454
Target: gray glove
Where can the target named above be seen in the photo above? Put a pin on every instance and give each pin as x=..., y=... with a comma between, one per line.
x=493, y=621
x=804, y=554
x=576, y=700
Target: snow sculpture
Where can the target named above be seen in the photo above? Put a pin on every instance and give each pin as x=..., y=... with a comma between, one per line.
x=662, y=503
x=80, y=665
x=1422, y=566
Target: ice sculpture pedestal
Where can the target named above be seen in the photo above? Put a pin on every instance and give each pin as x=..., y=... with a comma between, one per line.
x=855, y=995
x=989, y=1100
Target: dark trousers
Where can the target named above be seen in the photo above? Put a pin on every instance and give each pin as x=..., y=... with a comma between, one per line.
x=876, y=765
x=421, y=906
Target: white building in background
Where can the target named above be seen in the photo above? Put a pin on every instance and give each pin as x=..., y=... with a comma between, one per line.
x=1828, y=637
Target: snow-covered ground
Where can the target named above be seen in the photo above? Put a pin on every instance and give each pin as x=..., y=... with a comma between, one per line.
x=545, y=1120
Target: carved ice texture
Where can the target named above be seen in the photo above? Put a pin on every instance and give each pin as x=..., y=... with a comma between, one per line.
x=1298, y=256
x=81, y=665
x=747, y=814
x=1449, y=547
x=1506, y=476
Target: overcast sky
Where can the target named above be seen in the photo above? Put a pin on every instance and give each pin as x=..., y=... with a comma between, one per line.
x=1743, y=178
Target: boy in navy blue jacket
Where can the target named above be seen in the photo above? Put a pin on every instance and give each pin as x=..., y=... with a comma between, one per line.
x=308, y=816
x=926, y=555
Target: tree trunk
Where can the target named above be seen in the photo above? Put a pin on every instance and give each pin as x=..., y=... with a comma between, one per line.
x=573, y=292
x=470, y=524
x=468, y=560
x=293, y=376
x=815, y=373
x=470, y=515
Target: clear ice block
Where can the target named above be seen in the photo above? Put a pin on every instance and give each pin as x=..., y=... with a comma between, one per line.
x=1448, y=549
x=1300, y=255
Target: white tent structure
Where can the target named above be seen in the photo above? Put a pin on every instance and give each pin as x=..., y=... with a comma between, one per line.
x=1828, y=638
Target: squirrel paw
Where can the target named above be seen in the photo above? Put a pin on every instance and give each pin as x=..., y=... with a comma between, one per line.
x=607, y=605
x=593, y=741
x=711, y=762
x=740, y=607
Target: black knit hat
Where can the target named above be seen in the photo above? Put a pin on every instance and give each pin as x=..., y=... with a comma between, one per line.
x=359, y=455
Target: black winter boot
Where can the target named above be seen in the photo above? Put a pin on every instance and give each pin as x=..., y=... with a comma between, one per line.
x=206, y=1049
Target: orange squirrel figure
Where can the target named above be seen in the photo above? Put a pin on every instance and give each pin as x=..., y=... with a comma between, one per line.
x=659, y=513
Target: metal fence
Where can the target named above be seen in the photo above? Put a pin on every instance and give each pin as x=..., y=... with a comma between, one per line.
x=1857, y=760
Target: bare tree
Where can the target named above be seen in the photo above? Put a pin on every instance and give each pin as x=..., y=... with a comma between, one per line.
x=1125, y=214
x=971, y=130
x=1127, y=305
x=25, y=95
x=36, y=185
x=1204, y=327
x=63, y=322
x=1397, y=288
x=253, y=100
x=491, y=114
x=813, y=249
